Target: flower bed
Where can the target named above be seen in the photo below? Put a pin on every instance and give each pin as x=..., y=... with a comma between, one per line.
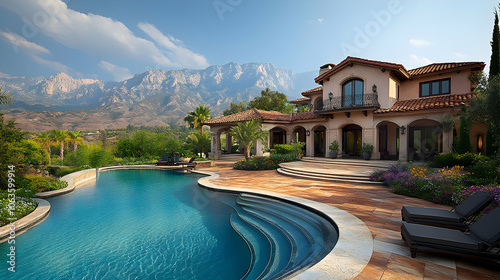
x=444, y=186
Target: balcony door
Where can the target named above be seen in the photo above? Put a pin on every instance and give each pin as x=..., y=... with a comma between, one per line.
x=352, y=93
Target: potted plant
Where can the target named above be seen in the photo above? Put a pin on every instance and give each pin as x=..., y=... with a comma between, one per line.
x=334, y=149
x=367, y=150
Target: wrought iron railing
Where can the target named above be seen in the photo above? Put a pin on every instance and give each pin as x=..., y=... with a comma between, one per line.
x=349, y=102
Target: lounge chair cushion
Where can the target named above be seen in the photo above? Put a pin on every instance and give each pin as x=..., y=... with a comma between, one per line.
x=472, y=205
x=432, y=215
x=430, y=236
x=488, y=228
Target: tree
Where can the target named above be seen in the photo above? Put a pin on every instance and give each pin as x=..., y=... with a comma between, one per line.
x=248, y=132
x=5, y=97
x=74, y=139
x=9, y=136
x=495, y=49
x=199, y=143
x=271, y=100
x=46, y=141
x=196, y=118
x=464, y=145
x=59, y=137
x=235, y=108
x=493, y=112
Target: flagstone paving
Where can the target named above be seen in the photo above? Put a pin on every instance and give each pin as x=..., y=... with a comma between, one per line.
x=380, y=210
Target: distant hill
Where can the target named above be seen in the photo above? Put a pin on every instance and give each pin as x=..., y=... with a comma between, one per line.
x=155, y=97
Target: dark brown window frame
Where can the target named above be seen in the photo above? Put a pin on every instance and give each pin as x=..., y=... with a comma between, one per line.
x=440, y=87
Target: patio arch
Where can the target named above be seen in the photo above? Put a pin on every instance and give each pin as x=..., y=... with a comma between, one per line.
x=388, y=140
x=352, y=140
x=425, y=139
x=277, y=135
x=319, y=140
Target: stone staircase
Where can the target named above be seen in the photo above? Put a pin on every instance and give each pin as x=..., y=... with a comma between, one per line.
x=337, y=170
x=231, y=157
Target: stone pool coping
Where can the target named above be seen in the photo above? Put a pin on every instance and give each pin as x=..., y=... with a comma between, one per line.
x=354, y=247
x=346, y=260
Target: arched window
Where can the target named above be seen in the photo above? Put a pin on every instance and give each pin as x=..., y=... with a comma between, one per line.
x=352, y=93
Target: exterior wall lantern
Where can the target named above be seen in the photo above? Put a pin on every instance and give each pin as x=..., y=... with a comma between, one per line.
x=308, y=132
x=330, y=95
x=403, y=129
x=479, y=143
x=374, y=88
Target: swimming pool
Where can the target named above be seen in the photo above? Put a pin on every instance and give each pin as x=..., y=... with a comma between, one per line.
x=151, y=224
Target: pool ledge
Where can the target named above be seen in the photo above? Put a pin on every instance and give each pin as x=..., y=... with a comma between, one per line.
x=354, y=247
x=26, y=222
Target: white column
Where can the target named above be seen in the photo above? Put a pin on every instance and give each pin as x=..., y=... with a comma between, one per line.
x=215, y=145
x=403, y=146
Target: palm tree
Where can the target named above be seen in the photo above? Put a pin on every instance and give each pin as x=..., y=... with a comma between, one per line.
x=5, y=97
x=248, y=132
x=59, y=137
x=74, y=139
x=200, y=143
x=196, y=118
x=46, y=141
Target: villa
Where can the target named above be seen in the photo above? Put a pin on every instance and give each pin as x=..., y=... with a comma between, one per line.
x=400, y=112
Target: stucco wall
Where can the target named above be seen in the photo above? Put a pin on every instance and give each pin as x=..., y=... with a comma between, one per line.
x=460, y=84
x=369, y=74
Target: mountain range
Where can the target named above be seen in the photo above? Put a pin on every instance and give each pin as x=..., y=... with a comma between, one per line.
x=153, y=98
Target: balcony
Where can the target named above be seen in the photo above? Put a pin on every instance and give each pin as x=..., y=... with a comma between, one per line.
x=349, y=103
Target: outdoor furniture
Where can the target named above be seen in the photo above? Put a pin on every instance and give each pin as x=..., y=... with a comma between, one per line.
x=482, y=240
x=460, y=218
x=164, y=160
x=188, y=164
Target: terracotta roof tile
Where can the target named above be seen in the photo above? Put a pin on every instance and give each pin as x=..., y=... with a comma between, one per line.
x=435, y=67
x=398, y=69
x=256, y=114
x=313, y=91
x=435, y=102
x=301, y=100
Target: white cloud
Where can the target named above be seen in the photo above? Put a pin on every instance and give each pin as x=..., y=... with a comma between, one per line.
x=119, y=73
x=320, y=20
x=180, y=56
x=3, y=75
x=101, y=35
x=419, y=42
x=20, y=44
x=421, y=60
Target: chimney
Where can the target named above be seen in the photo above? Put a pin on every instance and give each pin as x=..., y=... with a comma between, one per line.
x=325, y=68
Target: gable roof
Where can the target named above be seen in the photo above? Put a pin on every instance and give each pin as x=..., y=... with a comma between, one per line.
x=435, y=102
x=256, y=114
x=449, y=66
x=303, y=100
x=312, y=91
x=398, y=69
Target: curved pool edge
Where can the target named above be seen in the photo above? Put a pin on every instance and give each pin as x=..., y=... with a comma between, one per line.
x=346, y=260
x=354, y=247
x=32, y=219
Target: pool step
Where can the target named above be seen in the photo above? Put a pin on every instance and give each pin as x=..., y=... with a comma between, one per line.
x=283, y=239
x=301, y=173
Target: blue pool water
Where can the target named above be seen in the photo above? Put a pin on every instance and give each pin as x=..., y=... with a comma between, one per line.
x=140, y=224
x=152, y=224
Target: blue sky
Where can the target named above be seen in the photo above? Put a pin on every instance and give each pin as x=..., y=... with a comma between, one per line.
x=114, y=39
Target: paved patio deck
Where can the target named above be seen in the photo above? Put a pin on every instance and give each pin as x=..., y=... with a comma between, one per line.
x=380, y=210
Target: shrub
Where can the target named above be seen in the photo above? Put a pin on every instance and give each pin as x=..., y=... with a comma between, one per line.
x=452, y=159
x=263, y=163
x=43, y=184
x=23, y=207
x=283, y=149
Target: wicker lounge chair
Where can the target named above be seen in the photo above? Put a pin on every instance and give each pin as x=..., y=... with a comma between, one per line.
x=482, y=240
x=460, y=218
